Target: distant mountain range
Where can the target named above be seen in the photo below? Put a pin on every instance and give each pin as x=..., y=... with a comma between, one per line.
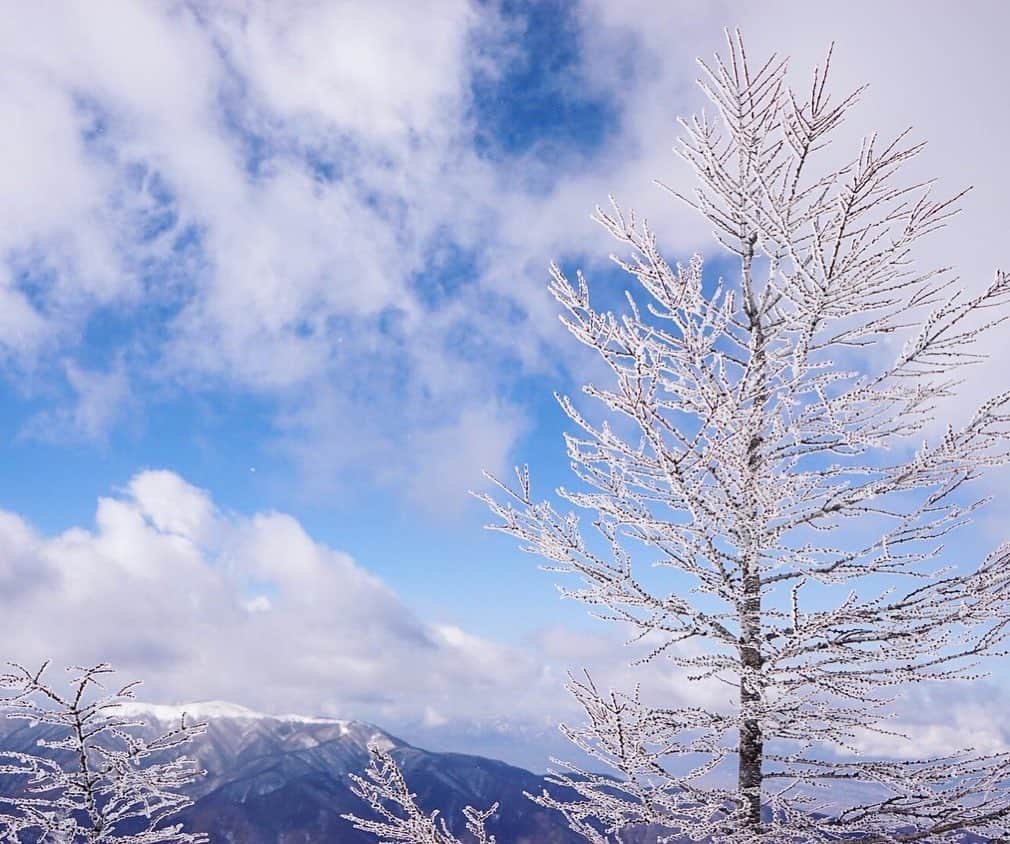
x=284, y=779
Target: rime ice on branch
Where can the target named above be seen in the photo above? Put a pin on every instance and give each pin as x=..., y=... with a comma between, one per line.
x=399, y=817
x=768, y=466
x=98, y=780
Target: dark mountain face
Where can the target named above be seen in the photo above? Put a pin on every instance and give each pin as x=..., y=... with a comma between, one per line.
x=285, y=780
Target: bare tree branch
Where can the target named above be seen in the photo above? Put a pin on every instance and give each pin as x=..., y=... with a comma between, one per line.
x=99, y=780
x=758, y=444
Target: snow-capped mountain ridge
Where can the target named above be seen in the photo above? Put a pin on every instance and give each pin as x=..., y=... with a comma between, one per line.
x=274, y=779
x=207, y=710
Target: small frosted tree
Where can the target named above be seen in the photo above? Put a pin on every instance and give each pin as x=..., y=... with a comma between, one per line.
x=98, y=779
x=766, y=439
x=398, y=819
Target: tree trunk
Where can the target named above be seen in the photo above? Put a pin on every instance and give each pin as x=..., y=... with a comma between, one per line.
x=751, y=754
x=751, y=751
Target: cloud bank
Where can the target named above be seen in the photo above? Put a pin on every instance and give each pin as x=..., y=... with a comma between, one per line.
x=202, y=604
x=348, y=212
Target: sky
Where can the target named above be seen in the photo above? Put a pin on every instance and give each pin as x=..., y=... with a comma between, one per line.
x=273, y=294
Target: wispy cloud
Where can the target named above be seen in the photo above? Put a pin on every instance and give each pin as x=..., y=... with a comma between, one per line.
x=355, y=202
x=264, y=191
x=99, y=400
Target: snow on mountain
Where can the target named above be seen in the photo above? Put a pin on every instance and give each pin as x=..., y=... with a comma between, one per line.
x=281, y=779
x=207, y=710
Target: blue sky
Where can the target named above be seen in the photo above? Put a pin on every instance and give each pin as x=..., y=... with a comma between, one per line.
x=274, y=293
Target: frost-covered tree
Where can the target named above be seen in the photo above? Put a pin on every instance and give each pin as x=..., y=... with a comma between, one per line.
x=766, y=441
x=95, y=778
x=399, y=820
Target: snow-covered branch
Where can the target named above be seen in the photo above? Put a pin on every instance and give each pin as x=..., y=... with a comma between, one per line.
x=767, y=439
x=95, y=778
x=399, y=820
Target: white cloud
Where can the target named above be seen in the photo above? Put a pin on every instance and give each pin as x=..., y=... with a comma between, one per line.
x=317, y=162
x=173, y=506
x=99, y=400
x=379, y=72
x=447, y=459
x=934, y=720
x=202, y=604
x=427, y=444
x=124, y=115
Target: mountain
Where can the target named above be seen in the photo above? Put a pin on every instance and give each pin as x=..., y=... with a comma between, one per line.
x=284, y=779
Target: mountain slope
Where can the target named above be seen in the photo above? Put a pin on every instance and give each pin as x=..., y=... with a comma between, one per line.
x=284, y=780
